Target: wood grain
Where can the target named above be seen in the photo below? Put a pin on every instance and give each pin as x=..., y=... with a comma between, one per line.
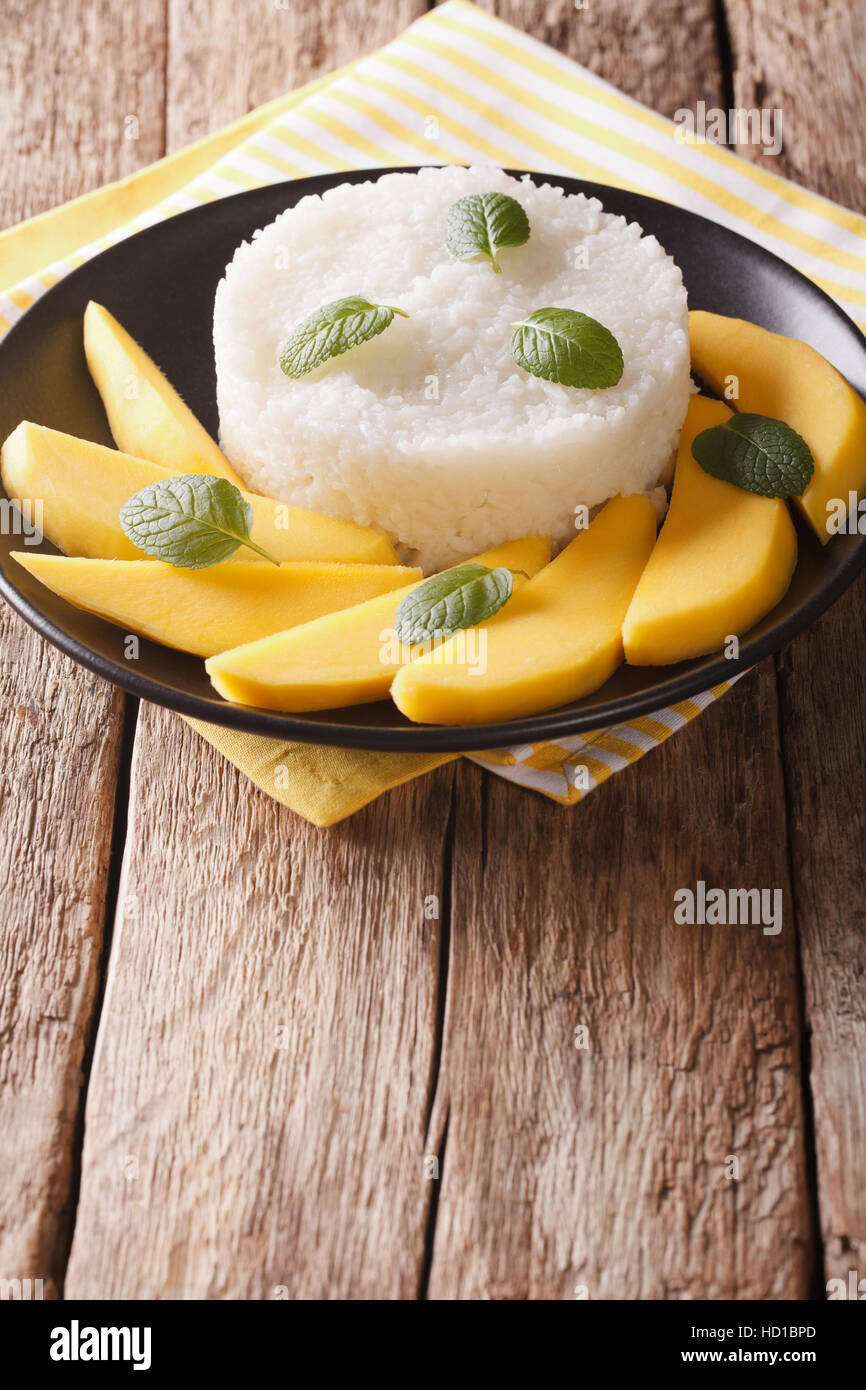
x=62, y=131
x=257, y=1110
x=274, y=47
x=600, y=1171
x=806, y=60
x=60, y=734
x=82, y=98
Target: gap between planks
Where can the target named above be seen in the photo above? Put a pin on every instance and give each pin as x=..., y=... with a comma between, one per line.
x=116, y=855
x=819, y=1273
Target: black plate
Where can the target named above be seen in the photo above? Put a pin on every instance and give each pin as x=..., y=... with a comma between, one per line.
x=161, y=283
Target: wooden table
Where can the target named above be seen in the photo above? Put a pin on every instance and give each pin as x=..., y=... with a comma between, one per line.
x=236, y=1051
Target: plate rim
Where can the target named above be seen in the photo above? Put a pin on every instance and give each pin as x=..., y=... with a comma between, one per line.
x=431, y=738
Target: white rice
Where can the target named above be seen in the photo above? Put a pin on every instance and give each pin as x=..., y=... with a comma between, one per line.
x=431, y=431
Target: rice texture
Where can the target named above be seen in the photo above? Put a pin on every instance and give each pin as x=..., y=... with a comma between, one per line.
x=431, y=431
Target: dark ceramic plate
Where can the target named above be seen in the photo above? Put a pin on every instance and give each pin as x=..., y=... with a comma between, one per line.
x=161, y=286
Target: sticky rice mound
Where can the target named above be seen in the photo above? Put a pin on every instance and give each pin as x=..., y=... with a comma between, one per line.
x=431, y=431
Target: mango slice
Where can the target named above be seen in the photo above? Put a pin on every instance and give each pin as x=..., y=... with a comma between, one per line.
x=557, y=638
x=205, y=611
x=347, y=658
x=790, y=381
x=83, y=487
x=723, y=559
x=146, y=415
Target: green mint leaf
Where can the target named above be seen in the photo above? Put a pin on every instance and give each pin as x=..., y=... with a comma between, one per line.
x=191, y=522
x=481, y=223
x=756, y=453
x=462, y=597
x=567, y=347
x=332, y=330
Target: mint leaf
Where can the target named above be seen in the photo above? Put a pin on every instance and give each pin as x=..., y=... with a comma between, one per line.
x=459, y=598
x=481, y=223
x=332, y=330
x=191, y=522
x=567, y=347
x=756, y=453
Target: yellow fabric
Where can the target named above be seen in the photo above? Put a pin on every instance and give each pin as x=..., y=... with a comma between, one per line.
x=457, y=86
x=322, y=784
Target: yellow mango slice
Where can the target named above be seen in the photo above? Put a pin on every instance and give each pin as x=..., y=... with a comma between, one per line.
x=557, y=638
x=204, y=611
x=83, y=486
x=146, y=415
x=346, y=658
x=723, y=559
x=790, y=381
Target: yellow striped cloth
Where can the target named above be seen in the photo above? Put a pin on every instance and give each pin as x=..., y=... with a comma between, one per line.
x=457, y=86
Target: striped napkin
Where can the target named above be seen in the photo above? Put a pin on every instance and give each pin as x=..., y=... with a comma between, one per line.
x=457, y=87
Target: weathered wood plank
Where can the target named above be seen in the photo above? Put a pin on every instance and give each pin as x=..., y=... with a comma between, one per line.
x=62, y=132
x=60, y=734
x=223, y=61
x=81, y=98
x=257, y=1107
x=805, y=59
x=260, y=1161
x=602, y=1172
